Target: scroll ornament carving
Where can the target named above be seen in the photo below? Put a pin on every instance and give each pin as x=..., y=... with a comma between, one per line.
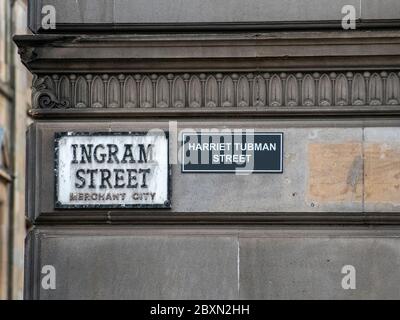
x=220, y=90
x=44, y=95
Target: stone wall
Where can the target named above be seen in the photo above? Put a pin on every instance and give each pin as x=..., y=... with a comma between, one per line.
x=334, y=95
x=101, y=15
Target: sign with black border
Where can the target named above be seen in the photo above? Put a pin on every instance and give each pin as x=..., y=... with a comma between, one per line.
x=112, y=170
x=244, y=152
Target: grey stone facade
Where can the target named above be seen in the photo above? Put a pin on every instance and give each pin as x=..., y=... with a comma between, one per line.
x=334, y=94
x=150, y=15
x=214, y=263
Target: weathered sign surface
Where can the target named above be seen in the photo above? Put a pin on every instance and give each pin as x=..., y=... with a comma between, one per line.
x=111, y=170
x=235, y=152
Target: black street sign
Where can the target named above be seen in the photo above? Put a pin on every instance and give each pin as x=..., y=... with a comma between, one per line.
x=237, y=152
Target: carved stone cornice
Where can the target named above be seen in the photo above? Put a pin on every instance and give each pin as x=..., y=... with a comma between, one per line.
x=44, y=96
x=27, y=54
x=250, y=73
x=242, y=92
x=235, y=52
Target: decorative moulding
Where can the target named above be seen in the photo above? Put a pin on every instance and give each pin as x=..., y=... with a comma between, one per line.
x=217, y=52
x=194, y=91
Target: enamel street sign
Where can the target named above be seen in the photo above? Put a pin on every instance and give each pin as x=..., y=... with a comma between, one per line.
x=112, y=170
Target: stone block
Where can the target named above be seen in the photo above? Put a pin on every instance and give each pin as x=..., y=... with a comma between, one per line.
x=372, y=9
x=135, y=264
x=82, y=11
x=382, y=169
x=230, y=11
x=309, y=266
